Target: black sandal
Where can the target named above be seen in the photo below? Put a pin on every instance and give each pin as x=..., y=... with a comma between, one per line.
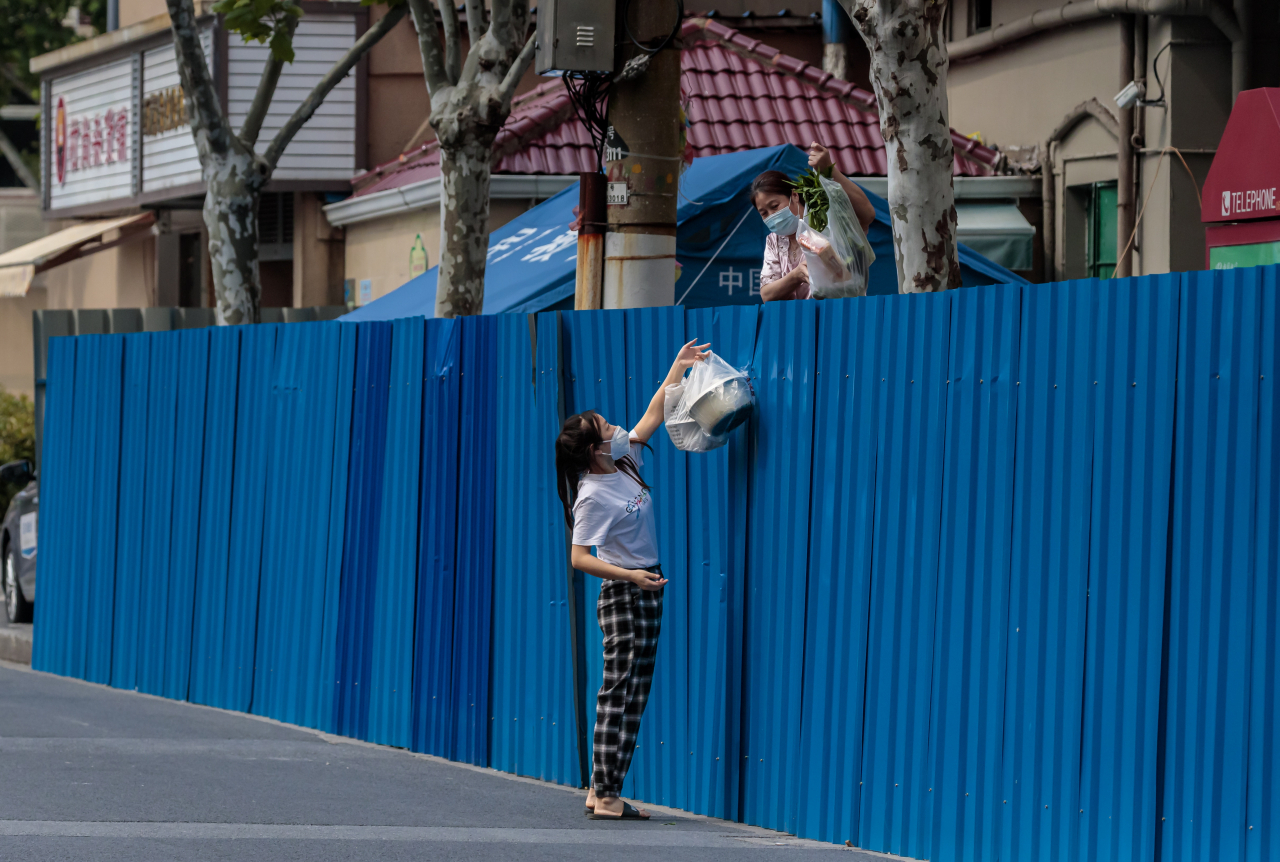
x=628, y=813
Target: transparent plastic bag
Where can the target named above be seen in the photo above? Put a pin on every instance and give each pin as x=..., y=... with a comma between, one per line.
x=710, y=402
x=840, y=256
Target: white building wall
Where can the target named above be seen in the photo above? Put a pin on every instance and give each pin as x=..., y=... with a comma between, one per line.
x=324, y=148
x=170, y=158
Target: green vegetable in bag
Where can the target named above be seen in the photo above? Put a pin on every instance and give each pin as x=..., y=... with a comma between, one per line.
x=809, y=187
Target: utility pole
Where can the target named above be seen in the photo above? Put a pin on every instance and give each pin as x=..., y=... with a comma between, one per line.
x=1124, y=156
x=642, y=160
x=590, y=272
x=836, y=31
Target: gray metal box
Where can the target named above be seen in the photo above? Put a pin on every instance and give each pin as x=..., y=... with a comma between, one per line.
x=575, y=36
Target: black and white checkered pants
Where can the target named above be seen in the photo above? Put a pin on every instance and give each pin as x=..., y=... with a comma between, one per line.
x=631, y=619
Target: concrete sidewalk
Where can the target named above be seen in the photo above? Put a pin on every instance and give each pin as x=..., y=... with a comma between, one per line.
x=96, y=773
x=15, y=641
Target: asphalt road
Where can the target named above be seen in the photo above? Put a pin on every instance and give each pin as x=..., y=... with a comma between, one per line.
x=89, y=772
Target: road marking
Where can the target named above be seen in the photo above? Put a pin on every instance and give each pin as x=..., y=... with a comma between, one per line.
x=630, y=834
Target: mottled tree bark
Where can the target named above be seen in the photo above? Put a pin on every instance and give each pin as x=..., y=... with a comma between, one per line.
x=234, y=175
x=469, y=104
x=909, y=72
x=464, y=185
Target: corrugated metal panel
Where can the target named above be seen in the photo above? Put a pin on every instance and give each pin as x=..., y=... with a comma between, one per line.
x=477, y=453
x=391, y=668
x=782, y=431
x=1049, y=573
x=188, y=456
x=248, y=501
x=101, y=166
x=1136, y=339
x=532, y=697
x=158, y=441
x=170, y=158
x=325, y=147
x=1211, y=563
x=344, y=404
x=53, y=557
x=75, y=607
x=210, y=674
x=294, y=590
x=896, y=807
x=664, y=757
x=717, y=534
x=363, y=515
x=432, y=702
x=233, y=459
x=595, y=344
x=130, y=523
x=1263, y=808
x=846, y=432
x=103, y=505
x=967, y=723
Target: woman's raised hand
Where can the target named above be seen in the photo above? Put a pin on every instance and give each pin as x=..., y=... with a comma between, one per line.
x=819, y=157
x=691, y=353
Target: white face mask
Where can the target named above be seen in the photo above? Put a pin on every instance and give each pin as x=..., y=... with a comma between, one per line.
x=619, y=444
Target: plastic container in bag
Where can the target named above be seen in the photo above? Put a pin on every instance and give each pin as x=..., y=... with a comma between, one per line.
x=703, y=408
x=840, y=256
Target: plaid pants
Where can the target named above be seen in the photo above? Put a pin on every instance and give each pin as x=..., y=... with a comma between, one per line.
x=631, y=619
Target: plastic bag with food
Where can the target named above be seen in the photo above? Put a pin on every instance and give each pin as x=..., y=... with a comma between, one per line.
x=711, y=401
x=837, y=251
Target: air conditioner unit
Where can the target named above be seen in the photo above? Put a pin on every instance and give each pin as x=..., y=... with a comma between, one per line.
x=575, y=36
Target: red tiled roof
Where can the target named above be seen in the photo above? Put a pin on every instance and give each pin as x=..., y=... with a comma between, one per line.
x=740, y=94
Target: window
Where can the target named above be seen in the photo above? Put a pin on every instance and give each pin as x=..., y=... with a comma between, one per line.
x=275, y=226
x=980, y=11
x=1101, y=242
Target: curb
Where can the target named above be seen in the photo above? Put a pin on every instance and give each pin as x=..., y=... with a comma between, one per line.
x=15, y=644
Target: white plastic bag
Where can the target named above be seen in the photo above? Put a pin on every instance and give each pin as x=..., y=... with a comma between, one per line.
x=840, y=256
x=702, y=409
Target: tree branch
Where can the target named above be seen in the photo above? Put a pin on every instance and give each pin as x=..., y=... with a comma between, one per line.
x=509, y=83
x=266, y=90
x=476, y=25
x=502, y=16
x=328, y=82
x=452, y=44
x=19, y=166
x=433, y=60
x=193, y=69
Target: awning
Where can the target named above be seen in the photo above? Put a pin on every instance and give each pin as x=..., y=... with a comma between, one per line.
x=997, y=231
x=20, y=265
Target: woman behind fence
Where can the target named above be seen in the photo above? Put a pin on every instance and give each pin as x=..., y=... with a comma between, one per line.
x=784, y=274
x=609, y=507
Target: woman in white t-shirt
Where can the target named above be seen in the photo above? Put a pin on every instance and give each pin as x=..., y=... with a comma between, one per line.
x=609, y=507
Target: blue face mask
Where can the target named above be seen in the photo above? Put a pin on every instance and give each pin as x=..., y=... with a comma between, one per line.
x=784, y=222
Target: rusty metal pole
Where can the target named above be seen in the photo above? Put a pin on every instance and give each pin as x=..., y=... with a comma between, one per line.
x=1124, y=158
x=642, y=163
x=589, y=284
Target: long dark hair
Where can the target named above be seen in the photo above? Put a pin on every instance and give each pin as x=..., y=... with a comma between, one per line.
x=772, y=183
x=573, y=458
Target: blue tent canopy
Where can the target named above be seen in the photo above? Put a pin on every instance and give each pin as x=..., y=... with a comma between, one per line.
x=719, y=246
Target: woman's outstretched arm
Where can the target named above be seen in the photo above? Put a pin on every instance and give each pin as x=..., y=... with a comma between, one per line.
x=653, y=416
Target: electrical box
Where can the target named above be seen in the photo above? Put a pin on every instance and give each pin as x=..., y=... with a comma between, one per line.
x=575, y=36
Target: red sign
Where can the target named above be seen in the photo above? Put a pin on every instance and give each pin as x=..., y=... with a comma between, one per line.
x=1244, y=180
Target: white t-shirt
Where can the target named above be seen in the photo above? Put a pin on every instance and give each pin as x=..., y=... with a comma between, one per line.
x=615, y=515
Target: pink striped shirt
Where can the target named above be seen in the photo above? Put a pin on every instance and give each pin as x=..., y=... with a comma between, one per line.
x=781, y=255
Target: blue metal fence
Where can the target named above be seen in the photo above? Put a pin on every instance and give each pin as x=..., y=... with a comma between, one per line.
x=990, y=574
